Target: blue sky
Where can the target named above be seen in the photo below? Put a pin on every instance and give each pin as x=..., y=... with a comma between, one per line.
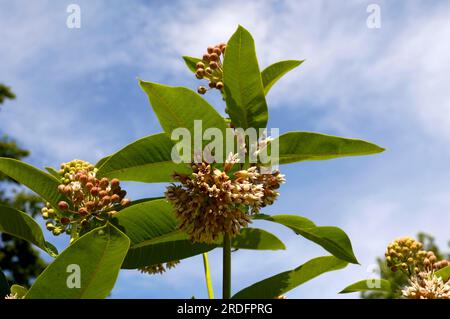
x=78, y=98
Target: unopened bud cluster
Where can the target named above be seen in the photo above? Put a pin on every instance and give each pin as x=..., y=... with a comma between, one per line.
x=210, y=202
x=89, y=203
x=210, y=68
x=159, y=268
x=406, y=254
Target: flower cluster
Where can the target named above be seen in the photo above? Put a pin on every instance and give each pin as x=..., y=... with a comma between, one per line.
x=426, y=285
x=13, y=296
x=90, y=201
x=210, y=68
x=210, y=202
x=406, y=254
x=159, y=268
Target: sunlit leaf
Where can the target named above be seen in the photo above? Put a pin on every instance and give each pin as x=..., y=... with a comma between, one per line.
x=278, y=285
x=95, y=259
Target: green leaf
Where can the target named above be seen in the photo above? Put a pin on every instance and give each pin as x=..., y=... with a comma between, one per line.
x=274, y=72
x=277, y=285
x=255, y=238
x=98, y=254
x=191, y=62
x=53, y=172
x=152, y=229
x=332, y=239
x=21, y=225
x=170, y=247
x=102, y=161
x=155, y=237
x=4, y=286
x=444, y=273
x=245, y=99
x=38, y=181
x=308, y=146
x=178, y=107
x=368, y=285
x=145, y=160
x=18, y=291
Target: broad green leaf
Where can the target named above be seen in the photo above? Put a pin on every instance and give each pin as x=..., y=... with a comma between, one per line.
x=144, y=200
x=18, y=291
x=96, y=257
x=53, y=172
x=179, y=107
x=255, y=238
x=244, y=92
x=43, y=184
x=145, y=160
x=444, y=273
x=274, y=72
x=21, y=225
x=191, y=62
x=152, y=229
x=308, y=146
x=169, y=247
x=155, y=237
x=278, y=285
x=176, y=245
x=332, y=239
x=368, y=285
x=102, y=161
x=4, y=286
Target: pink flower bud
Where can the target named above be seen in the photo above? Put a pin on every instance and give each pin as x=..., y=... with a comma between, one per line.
x=115, y=198
x=115, y=183
x=125, y=202
x=94, y=191
x=63, y=205
x=61, y=188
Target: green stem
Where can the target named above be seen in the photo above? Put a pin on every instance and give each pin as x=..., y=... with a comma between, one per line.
x=208, y=277
x=73, y=234
x=226, y=266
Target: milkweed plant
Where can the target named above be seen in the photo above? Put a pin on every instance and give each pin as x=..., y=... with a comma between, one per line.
x=221, y=174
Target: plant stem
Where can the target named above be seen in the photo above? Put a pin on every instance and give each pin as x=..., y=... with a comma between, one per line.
x=226, y=266
x=209, y=286
x=73, y=234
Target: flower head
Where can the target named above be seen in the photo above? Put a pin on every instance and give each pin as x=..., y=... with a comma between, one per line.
x=406, y=254
x=210, y=202
x=426, y=285
x=89, y=201
x=159, y=268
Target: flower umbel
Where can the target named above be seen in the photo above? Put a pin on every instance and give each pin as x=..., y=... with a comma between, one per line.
x=210, y=202
x=406, y=254
x=13, y=296
x=90, y=201
x=159, y=268
x=426, y=285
